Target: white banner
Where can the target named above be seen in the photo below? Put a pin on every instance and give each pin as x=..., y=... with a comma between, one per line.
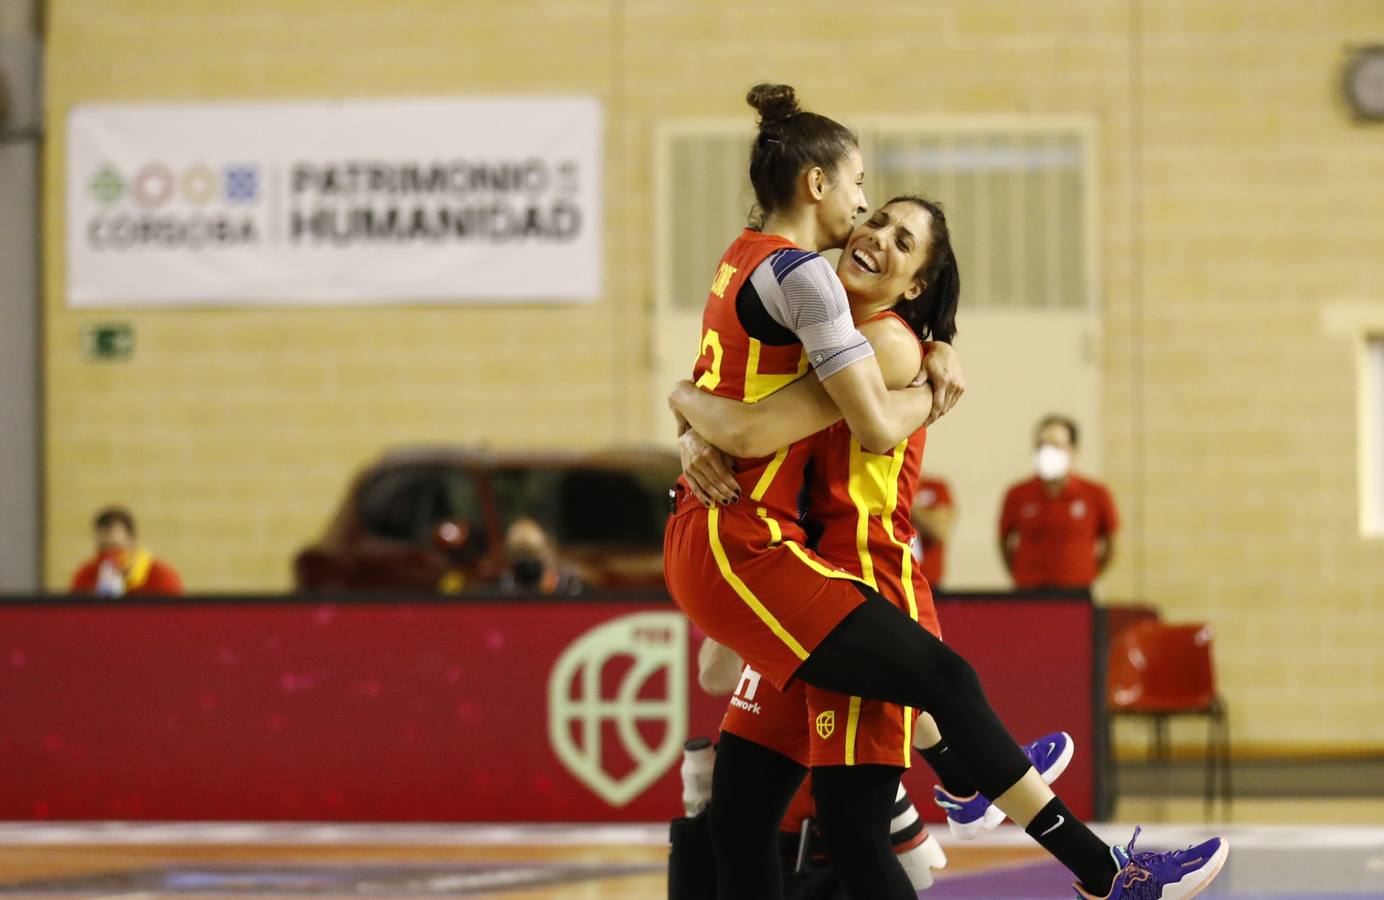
x=334, y=202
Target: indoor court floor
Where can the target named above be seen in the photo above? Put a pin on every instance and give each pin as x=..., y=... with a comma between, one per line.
x=1336, y=850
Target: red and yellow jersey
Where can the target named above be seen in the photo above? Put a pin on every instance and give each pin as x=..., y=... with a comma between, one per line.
x=136, y=572
x=862, y=503
x=733, y=364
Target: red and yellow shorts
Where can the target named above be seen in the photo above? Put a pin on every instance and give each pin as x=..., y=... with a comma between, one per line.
x=773, y=601
x=814, y=727
x=769, y=599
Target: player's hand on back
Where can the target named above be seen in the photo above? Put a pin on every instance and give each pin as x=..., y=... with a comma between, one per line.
x=708, y=470
x=942, y=369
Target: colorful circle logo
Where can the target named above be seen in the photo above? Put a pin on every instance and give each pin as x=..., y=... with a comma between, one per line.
x=154, y=185
x=198, y=184
x=107, y=185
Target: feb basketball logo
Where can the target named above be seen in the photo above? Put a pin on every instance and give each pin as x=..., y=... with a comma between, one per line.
x=617, y=703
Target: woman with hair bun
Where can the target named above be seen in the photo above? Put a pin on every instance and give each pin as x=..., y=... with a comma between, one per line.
x=741, y=570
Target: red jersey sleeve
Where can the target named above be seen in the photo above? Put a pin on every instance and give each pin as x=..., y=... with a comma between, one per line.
x=84, y=579
x=163, y=580
x=1009, y=512
x=1109, y=518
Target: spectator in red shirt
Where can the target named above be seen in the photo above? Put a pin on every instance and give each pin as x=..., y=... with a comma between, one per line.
x=933, y=514
x=121, y=565
x=1057, y=529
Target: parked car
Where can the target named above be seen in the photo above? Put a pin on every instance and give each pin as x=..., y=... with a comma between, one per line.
x=435, y=519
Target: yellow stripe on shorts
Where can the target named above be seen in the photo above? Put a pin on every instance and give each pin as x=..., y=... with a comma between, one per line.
x=713, y=519
x=762, y=486
x=775, y=532
x=907, y=736
x=824, y=571
x=852, y=726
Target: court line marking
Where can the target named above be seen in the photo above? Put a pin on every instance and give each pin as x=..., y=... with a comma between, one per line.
x=1259, y=837
x=595, y=834
x=333, y=834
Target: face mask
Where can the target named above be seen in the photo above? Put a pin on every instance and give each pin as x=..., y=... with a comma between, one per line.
x=1052, y=462
x=528, y=571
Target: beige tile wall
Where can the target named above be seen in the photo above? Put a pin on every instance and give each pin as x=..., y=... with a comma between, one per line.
x=1238, y=201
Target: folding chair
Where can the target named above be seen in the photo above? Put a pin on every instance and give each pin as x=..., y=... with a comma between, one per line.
x=1159, y=671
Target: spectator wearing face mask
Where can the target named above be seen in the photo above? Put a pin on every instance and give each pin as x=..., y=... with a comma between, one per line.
x=533, y=563
x=1057, y=529
x=121, y=564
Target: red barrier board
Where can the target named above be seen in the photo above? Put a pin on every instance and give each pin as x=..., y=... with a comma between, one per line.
x=411, y=711
x=1036, y=661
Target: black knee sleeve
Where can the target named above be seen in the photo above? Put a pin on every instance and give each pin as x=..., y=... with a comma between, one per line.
x=950, y=668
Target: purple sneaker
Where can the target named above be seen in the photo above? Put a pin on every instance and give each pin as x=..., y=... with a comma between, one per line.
x=969, y=817
x=1174, y=875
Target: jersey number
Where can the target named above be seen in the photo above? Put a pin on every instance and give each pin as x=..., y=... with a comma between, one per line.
x=712, y=376
x=722, y=279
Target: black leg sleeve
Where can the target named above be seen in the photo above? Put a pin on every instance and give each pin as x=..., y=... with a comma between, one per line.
x=854, y=805
x=751, y=787
x=879, y=653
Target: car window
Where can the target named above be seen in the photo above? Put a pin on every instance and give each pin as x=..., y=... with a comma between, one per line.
x=588, y=505
x=527, y=493
x=458, y=500
x=395, y=502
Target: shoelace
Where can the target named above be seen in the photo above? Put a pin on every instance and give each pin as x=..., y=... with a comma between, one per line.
x=1148, y=858
x=1136, y=878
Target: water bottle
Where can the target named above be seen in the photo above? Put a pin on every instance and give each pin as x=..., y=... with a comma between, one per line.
x=698, y=756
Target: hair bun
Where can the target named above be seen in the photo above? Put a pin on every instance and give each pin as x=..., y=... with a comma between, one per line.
x=775, y=102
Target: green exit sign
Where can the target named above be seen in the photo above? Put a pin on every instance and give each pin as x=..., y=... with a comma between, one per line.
x=108, y=341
